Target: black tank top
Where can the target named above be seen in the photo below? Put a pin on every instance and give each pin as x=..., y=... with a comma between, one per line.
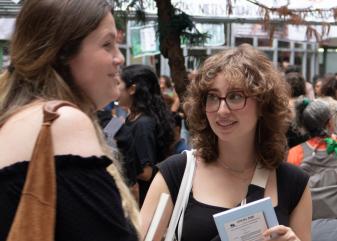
x=198, y=220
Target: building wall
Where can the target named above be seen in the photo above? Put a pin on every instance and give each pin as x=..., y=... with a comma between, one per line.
x=331, y=61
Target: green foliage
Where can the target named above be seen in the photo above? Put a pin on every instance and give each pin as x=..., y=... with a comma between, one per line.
x=195, y=38
x=181, y=23
x=140, y=15
x=120, y=19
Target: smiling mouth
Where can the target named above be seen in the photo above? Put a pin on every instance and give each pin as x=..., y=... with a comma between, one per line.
x=226, y=123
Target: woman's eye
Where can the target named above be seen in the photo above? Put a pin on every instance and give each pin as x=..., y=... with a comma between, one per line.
x=235, y=96
x=212, y=97
x=107, y=45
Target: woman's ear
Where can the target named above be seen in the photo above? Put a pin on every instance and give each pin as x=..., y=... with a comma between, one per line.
x=132, y=89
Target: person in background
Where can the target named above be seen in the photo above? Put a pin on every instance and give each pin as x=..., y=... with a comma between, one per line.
x=295, y=135
x=317, y=81
x=65, y=50
x=237, y=110
x=327, y=95
x=169, y=93
x=146, y=137
x=317, y=156
x=329, y=86
x=315, y=117
x=179, y=144
x=309, y=90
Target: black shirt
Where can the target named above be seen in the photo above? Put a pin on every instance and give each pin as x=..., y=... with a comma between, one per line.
x=88, y=201
x=291, y=182
x=137, y=142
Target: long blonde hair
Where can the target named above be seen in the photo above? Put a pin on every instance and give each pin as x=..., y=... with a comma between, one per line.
x=47, y=34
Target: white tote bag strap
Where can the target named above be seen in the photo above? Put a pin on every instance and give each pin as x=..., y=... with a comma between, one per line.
x=182, y=198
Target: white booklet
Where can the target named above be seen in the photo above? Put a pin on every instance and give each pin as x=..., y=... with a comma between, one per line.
x=247, y=222
x=158, y=220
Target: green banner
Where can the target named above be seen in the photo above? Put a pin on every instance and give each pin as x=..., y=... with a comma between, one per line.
x=144, y=41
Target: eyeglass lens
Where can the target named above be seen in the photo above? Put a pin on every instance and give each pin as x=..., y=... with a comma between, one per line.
x=235, y=100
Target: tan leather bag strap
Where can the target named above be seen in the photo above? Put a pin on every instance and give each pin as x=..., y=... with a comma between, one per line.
x=36, y=212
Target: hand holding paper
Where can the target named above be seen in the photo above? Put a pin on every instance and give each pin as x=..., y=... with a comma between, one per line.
x=246, y=223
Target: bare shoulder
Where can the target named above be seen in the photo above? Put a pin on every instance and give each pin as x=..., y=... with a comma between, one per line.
x=73, y=118
x=74, y=133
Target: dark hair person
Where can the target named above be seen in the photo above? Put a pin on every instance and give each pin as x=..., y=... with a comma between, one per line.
x=147, y=135
x=297, y=84
x=317, y=120
x=65, y=50
x=237, y=111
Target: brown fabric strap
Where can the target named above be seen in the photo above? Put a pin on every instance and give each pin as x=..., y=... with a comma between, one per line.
x=36, y=212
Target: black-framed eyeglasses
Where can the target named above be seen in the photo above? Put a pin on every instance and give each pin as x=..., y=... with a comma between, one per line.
x=235, y=100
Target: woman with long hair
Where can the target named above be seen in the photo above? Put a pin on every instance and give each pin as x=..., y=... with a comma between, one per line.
x=64, y=50
x=147, y=135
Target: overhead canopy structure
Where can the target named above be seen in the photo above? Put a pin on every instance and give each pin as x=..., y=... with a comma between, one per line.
x=244, y=11
x=9, y=8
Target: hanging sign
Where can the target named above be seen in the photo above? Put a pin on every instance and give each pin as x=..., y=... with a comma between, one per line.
x=144, y=41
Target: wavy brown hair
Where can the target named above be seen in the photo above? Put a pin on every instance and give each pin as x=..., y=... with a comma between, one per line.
x=250, y=69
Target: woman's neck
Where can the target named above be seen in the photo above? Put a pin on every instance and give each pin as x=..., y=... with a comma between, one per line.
x=237, y=157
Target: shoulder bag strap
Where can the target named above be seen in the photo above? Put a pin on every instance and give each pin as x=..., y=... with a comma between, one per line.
x=35, y=215
x=261, y=176
x=182, y=198
x=258, y=184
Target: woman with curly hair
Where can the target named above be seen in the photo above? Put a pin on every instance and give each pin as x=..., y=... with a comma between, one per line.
x=237, y=110
x=147, y=135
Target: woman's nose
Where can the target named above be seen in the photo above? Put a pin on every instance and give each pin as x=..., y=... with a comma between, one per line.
x=223, y=108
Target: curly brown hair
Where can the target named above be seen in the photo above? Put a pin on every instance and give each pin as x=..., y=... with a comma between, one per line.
x=250, y=69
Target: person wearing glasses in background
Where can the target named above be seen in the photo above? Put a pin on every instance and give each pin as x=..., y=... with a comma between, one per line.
x=238, y=115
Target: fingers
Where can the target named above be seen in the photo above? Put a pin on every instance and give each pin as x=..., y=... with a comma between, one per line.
x=280, y=232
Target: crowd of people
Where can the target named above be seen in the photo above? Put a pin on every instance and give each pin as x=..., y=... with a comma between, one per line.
x=93, y=143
